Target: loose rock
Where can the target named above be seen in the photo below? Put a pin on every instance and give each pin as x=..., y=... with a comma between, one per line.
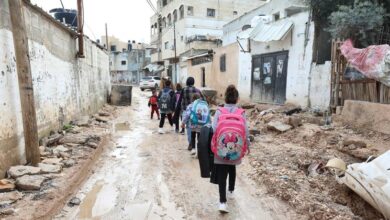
x=60, y=149
x=74, y=202
x=101, y=118
x=74, y=139
x=357, y=143
x=9, y=198
x=6, y=185
x=48, y=168
x=69, y=163
x=30, y=182
x=83, y=121
x=18, y=171
x=52, y=161
x=278, y=126
x=7, y=211
x=53, y=139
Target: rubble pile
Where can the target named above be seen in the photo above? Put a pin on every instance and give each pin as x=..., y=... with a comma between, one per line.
x=290, y=149
x=62, y=153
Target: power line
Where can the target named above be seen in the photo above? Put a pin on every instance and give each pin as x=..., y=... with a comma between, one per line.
x=154, y=8
x=151, y=6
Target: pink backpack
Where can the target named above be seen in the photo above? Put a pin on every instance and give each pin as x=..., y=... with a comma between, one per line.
x=229, y=141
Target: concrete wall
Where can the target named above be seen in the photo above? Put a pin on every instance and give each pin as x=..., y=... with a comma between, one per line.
x=64, y=87
x=220, y=80
x=367, y=115
x=320, y=84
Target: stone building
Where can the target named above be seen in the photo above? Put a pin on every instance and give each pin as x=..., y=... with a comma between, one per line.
x=187, y=28
x=127, y=60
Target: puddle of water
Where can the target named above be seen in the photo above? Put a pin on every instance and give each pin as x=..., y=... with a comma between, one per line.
x=124, y=126
x=105, y=201
x=89, y=201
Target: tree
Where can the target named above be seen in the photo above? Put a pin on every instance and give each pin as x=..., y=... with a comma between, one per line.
x=360, y=22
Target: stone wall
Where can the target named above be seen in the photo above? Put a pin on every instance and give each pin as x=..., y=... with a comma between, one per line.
x=65, y=87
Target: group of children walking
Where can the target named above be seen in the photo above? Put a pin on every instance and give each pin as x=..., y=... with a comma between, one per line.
x=230, y=140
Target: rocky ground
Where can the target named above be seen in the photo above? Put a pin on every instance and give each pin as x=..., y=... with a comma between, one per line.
x=290, y=150
x=66, y=157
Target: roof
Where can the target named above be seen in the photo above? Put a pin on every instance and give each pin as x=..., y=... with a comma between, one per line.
x=196, y=56
x=155, y=68
x=268, y=32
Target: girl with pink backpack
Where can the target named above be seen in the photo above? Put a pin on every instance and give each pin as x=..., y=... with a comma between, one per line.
x=230, y=144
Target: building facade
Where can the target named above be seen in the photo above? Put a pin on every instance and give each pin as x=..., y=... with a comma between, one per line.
x=127, y=60
x=268, y=53
x=185, y=28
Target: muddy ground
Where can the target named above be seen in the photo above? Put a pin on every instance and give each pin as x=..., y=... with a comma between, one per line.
x=151, y=176
x=135, y=173
x=291, y=164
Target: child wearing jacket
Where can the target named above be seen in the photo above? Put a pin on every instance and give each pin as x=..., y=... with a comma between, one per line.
x=166, y=111
x=195, y=128
x=222, y=168
x=153, y=104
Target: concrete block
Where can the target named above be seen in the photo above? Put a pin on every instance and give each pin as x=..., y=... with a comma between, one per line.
x=121, y=95
x=372, y=116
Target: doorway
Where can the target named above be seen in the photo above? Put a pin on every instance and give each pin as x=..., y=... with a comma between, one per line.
x=269, y=77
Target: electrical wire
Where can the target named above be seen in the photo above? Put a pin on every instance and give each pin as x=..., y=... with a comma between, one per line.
x=151, y=4
x=62, y=4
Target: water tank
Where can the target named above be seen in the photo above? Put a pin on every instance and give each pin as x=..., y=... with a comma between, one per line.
x=69, y=16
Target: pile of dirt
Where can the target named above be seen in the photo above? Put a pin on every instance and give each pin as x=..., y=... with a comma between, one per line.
x=65, y=156
x=290, y=149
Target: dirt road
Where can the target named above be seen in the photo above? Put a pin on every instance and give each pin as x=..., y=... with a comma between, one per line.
x=146, y=175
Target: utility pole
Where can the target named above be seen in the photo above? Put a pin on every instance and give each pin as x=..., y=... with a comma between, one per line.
x=174, y=43
x=26, y=90
x=107, y=37
x=80, y=27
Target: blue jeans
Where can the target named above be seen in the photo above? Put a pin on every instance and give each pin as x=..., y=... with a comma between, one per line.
x=188, y=130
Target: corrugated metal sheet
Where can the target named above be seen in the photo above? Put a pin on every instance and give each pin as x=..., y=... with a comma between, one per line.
x=268, y=32
x=271, y=32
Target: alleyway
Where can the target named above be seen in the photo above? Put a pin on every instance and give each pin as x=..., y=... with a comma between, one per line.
x=152, y=176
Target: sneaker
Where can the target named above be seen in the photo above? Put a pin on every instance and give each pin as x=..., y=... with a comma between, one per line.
x=223, y=208
x=182, y=132
x=160, y=131
x=193, y=152
x=177, y=131
x=189, y=147
x=230, y=194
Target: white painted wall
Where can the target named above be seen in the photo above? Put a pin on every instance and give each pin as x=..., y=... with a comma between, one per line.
x=320, y=85
x=244, y=75
x=65, y=87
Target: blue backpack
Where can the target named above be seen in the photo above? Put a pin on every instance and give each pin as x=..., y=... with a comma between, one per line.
x=200, y=113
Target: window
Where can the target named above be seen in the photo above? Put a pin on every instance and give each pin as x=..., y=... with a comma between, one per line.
x=190, y=11
x=169, y=17
x=123, y=62
x=222, y=63
x=174, y=15
x=166, y=45
x=113, y=48
x=181, y=9
x=164, y=23
x=164, y=3
x=276, y=16
x=210, y=12
x=156, y=78
x=235, y=13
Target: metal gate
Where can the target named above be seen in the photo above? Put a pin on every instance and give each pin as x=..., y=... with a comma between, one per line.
x=269, y=77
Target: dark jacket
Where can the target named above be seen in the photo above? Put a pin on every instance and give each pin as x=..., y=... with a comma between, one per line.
x=173, y=99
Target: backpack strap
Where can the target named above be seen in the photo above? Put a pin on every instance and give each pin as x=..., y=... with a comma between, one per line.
x=223, y=110
x=239, y=111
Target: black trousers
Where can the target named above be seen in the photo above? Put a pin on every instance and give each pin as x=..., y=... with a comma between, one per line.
x=162, y=120
x=194, y=139
x=222, y=173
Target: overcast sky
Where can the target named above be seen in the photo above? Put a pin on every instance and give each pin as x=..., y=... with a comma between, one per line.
x=126, y=19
